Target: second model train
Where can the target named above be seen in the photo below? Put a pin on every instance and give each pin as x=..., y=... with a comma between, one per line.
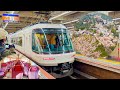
x=49, y=45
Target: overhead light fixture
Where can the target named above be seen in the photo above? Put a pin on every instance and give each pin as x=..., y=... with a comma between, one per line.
x=64, y=13
x=41, y=12
x=116, y=19
x=71, y=21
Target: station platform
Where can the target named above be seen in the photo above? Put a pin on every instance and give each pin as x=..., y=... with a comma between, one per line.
x=99, y=68
x=42, y=74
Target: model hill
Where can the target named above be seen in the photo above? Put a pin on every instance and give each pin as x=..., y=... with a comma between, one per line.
x=95, y=35
x=90, y=46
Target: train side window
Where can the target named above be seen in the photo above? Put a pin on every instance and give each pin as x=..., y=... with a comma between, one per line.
x=34, y=45
x=18, y=41
x=12, y=40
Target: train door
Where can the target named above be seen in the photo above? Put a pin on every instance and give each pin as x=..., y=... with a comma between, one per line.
x=28, y=44
x=24, y=40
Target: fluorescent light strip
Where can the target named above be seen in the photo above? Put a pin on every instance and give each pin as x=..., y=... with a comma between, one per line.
x=71, y=21
x=70, y=27
x=60, y=15
x=116, y=19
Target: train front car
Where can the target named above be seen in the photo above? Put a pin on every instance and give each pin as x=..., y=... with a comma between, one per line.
x=55, y=48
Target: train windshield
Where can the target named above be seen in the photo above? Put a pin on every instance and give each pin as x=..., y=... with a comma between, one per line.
x=52, y=41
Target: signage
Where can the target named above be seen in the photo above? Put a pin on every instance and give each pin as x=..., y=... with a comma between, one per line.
x=10, y=17
x=48, y=58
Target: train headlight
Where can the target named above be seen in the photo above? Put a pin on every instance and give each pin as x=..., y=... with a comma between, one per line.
x=48, y=58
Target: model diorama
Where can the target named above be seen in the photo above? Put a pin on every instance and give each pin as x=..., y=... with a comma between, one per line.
x=96, y=35
x=49, y=45
x=48, y=50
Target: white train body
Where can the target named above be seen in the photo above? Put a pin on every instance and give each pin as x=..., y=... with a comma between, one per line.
x=24, y=45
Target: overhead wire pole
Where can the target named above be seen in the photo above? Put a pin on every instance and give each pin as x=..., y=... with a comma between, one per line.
x=118, y=36
x=118, y=41
x=7, y=22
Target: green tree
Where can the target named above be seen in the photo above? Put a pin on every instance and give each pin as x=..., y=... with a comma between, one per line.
x=112, y=47
x=114, y=32
x=101, y=34
x=101, y=49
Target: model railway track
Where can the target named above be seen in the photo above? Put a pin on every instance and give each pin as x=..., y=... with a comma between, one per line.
x=79, y=75
x=83, y=75
x=73, y=77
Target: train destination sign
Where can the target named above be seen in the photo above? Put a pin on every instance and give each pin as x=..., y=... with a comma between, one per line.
x=10, y=17
x=50, y=30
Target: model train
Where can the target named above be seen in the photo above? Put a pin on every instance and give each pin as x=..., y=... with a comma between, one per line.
x=49, y=45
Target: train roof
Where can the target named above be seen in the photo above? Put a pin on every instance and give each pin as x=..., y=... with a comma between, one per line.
x=40, y=25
